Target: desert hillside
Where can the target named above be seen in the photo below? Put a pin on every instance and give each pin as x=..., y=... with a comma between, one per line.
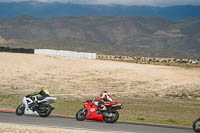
x=70, y=77
x=138, y=36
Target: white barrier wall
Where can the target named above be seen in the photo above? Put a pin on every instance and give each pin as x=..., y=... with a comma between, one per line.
x=81, y=55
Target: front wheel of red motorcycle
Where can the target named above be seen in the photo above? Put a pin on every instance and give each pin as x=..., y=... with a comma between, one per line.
x=81, y=114
x=111, y=117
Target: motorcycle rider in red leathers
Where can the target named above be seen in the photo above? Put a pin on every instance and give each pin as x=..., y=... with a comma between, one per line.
x=103, y=100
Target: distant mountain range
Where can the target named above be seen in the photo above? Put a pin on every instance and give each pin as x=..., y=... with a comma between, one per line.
x=49, y=10
x=138, y=36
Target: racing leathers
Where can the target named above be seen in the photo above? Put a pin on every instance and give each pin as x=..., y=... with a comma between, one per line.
x=102, y=102
x=40, y=95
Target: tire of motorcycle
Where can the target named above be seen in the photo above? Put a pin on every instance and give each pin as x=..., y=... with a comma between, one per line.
x=20, y=109
x=196, y=125
x=81, y=115
x=46, y=112
x=113, y=119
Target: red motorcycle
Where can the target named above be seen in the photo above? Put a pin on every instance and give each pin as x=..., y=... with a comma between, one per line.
x=91, y=112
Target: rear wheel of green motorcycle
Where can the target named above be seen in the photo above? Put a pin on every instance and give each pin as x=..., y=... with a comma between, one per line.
x=44, y=110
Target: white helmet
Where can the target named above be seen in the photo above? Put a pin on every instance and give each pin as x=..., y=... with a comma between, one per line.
x=103, y=94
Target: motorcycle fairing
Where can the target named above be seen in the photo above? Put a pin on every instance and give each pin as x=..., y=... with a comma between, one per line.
x=49, y=100
x=27, y=102
x=92, y=112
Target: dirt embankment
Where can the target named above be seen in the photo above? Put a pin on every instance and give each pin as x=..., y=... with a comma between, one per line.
x=24, y=73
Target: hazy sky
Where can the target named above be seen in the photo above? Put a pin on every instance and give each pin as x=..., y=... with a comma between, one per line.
x=121, y=2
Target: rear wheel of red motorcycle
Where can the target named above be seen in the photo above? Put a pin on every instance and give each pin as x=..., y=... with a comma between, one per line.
x=111, y=117
x=81, y=114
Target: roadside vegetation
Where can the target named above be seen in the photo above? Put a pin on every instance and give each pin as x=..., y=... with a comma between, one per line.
x=166, y=64
x=154, y=62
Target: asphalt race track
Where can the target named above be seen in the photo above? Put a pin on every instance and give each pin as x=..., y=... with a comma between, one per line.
x=69, y=122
